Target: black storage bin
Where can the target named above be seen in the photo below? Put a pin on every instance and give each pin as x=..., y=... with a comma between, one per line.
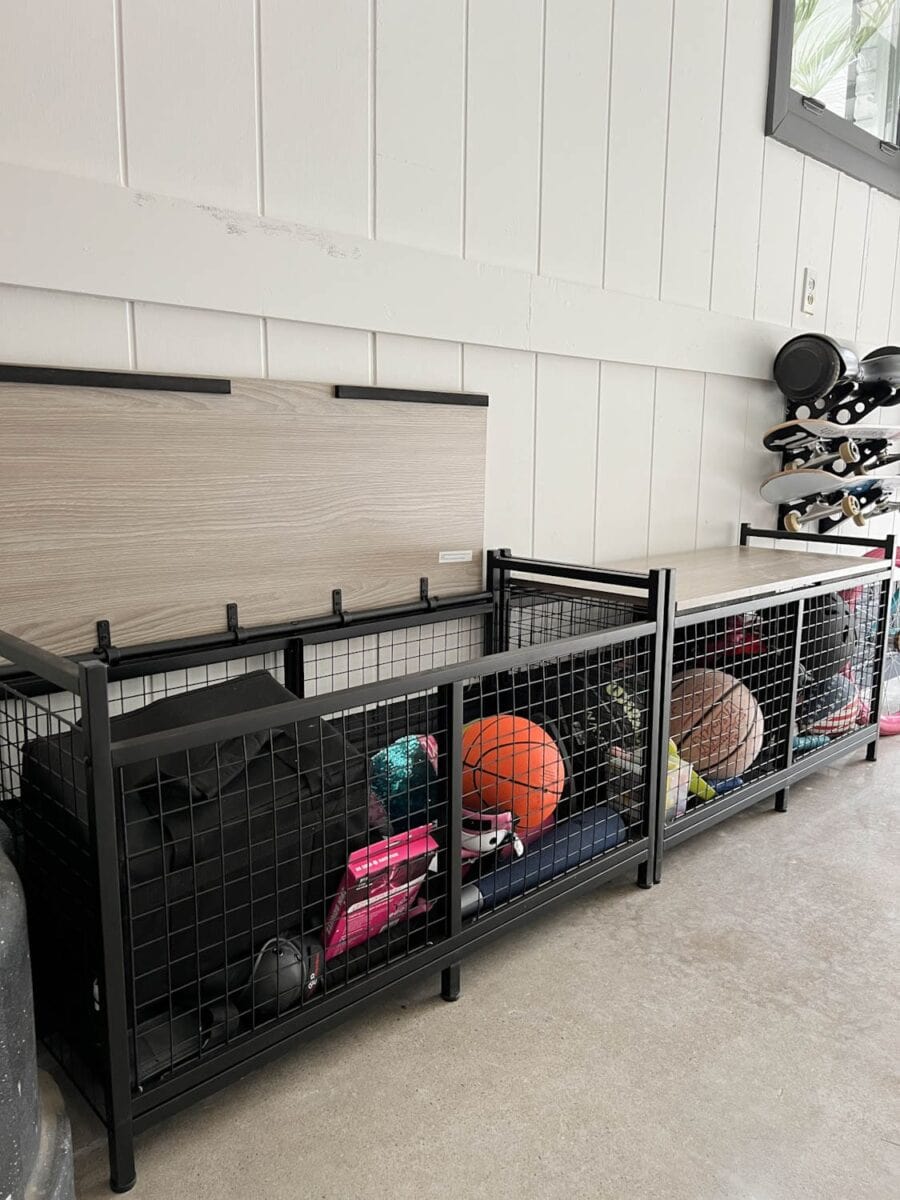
x=203, y=833
x=768, y=689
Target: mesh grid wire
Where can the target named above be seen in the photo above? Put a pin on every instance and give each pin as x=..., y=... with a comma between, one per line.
x=335, y=664
x=44, y=798
x=265, y=872
x=269, y=870
x=554, y=766
x=732, y=684
x=871, y=607
x=257, y=876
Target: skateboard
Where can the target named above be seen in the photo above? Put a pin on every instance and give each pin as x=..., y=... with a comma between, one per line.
x=814, y=494
x=834, y=448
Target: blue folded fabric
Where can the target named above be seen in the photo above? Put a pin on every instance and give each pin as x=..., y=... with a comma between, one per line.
x=573, y=841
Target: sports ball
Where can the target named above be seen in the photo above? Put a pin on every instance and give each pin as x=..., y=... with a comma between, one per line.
x=716, y=723
x=513, y=764
x=833, y=706
x=401, y=777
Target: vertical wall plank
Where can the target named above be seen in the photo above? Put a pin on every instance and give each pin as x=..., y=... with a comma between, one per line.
x=58, y=87
x=642, y=38
x=417, y=362
x=815, y=239
x=765, y=407
x=503, y=132
x=194, y=340
x=508, y=378
x=721, y=457
x=677, y=435
x=62, y=329
x=419, y=93
x=878, y=272
x=565, y=471
x=315, y=112
x=573, y=174
x=778, y=230
x=698, y=48
x=326, y=353
x=894, y=324
x=847, y=256
x=741, y=158
x=190, y=100
x=624, y=465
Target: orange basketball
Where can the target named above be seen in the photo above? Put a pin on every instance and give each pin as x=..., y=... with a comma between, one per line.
x=512, y=764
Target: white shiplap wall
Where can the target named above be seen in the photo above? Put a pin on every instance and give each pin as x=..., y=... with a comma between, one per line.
x=569, y=204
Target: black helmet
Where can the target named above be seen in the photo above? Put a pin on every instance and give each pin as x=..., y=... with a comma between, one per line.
x=828, y=636
x=286, y=970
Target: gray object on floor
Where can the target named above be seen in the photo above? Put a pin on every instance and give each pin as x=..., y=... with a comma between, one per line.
x=35, y=1140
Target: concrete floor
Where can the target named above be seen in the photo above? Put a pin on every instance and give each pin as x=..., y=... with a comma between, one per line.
x=731, y=1035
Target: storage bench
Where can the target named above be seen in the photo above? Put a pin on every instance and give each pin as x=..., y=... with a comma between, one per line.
x=775, y=665
x=231, y=845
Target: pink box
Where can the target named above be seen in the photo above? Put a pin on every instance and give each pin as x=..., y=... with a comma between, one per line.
x=380, y=888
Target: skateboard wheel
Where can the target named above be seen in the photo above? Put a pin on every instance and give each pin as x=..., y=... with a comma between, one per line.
x=849, y=452
x=792, y=522
x=859, y=519
x=850, y=507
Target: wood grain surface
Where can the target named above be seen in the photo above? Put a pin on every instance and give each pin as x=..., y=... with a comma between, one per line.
x=156, y=509
x=706, y=577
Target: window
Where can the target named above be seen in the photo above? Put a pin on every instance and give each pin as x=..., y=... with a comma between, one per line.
x=834, y=85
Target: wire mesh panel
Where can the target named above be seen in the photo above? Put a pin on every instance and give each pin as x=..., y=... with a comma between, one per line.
x=839, y=664
x=536, y=615
x=138, y=690
x=731, y=704
x=554, y=755
x=335, y=663
x=753, y=692
x=266, y=871
x=45, y=798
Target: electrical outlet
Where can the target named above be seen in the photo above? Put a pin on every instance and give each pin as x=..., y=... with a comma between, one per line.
x=808, y=299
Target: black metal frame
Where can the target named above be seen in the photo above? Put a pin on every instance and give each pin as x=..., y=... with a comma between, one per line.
x=777, y=784
x=805, y=124
x=127, y=1108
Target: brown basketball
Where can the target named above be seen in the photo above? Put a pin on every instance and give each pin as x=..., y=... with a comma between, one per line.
x=716, y=723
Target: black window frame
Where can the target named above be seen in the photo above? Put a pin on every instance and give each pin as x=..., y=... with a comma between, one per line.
x=805, y=124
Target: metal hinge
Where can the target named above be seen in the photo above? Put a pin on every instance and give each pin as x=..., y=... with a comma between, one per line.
x=431, y=601
x=337, y=605
x=105, y=647
x=233, y=622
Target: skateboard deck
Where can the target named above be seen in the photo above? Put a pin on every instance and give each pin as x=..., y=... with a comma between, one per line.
x=785, y=487
x=790, y=436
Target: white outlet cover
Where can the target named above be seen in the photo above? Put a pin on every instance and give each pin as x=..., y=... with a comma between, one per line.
x=808, y=299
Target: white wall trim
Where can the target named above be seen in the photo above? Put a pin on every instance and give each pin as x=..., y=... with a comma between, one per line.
x=90, y=237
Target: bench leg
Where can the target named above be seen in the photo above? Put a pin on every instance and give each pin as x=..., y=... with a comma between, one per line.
x=122, y=1175
x=450, y=982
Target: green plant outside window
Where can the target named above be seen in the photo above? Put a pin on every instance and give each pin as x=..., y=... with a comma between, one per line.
x=845, y=55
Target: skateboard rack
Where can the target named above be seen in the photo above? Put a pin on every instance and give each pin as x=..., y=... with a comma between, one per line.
x=847, y=404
